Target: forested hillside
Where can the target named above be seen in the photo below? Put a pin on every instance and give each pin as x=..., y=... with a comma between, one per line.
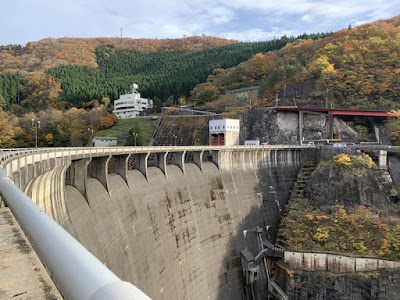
x=23, y=79
x=159, y=74
x=355, y=68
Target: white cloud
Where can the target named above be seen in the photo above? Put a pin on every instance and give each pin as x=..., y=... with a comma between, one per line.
x=237, y=19
x=222, y=15
x=258, y=34
x=307, y=18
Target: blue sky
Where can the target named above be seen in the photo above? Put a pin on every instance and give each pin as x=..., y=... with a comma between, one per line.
x=22, y=21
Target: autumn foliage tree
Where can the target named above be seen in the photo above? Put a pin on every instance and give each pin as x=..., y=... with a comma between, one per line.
x=393, y=127
x=356, y=68
x=58, y=128
x=108, y=120
x=339, y=230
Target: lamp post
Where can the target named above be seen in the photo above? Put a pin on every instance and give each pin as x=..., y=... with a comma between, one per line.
x=175, y=136
x=135, y=135
x=91, y=131
x=36, y=125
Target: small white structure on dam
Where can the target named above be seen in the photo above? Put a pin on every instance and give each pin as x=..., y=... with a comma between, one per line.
x=252, y=143
x=224, y=132
x=103, y=141
x=131, y=105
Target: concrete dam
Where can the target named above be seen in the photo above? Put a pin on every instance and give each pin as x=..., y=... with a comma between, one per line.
x=170, y=220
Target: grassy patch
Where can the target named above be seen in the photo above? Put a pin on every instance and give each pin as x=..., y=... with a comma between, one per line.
x=121, y=128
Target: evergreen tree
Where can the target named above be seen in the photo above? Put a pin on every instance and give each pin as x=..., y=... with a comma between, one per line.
x=134, y=136
x=158, y=74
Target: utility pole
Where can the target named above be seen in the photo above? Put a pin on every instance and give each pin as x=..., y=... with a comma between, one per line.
x=326, y=97
x=121, y=32
x=36, y=125
x=91, y=131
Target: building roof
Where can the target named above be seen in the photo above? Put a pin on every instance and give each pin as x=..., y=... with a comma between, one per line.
x=105, y=138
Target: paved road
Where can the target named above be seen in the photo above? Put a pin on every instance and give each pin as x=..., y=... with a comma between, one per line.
x=22, y=275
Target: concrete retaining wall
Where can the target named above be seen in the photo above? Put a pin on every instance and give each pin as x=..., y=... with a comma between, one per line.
x=335, y=263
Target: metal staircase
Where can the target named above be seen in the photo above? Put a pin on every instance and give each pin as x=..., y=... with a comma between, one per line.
x=302, y=179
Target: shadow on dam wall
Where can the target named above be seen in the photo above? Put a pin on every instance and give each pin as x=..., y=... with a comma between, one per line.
x=180, y=237
x=272, y=186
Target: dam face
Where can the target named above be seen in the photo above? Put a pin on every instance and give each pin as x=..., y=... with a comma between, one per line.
x=177, y=233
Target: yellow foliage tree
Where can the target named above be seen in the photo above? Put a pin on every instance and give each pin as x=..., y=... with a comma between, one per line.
x=49, y=139
x=342, y=159
x=182, y=100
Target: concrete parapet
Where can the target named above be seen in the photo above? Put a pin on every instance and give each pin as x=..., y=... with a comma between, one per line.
x=314, y=261
x=366, y=264
x=335, y=263
x=308, y=261
x=346, y=264
x=320, y=261
x=294, y=259
x=386, y=264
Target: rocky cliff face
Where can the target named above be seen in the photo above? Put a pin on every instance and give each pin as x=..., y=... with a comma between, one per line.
x=347, y=186
x=332, y=185
x=383, y=285
x=270, y=126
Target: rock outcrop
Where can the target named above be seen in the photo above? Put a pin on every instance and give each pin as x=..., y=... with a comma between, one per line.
x=270, y=126
x=347, y=186
x=382, y=285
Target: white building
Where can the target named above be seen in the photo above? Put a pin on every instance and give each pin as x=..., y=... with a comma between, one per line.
x=102, y=141
x=131, y=105
x=224, y=132
x=252, y=143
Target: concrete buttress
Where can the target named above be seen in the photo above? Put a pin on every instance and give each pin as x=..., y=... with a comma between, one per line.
x=77, y=175
x=121, y=165
x=100, y=169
